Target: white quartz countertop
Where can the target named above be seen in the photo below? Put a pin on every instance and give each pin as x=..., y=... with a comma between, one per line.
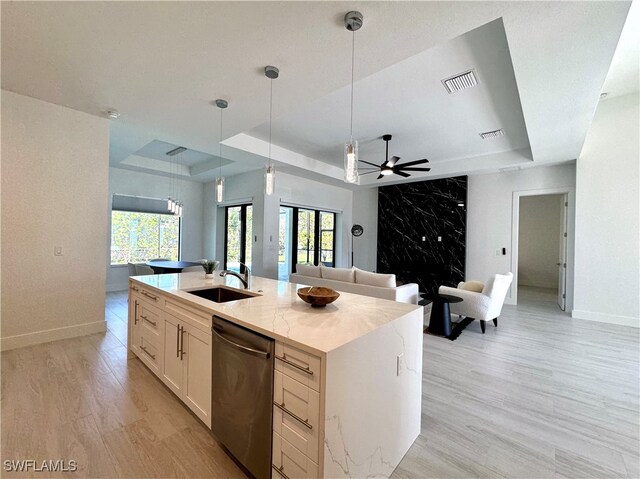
x=277, y=312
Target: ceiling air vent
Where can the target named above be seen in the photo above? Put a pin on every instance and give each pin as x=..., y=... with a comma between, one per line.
x=492, y=134
x=461, y=81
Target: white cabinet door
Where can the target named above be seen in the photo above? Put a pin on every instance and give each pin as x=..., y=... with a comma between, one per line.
x=172, y=365
x=197, y=374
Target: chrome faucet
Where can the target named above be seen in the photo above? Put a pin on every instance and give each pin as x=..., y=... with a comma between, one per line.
x=244, y=279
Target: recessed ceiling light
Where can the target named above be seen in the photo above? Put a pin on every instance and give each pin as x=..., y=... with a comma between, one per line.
x=492, y=134
x=603, y=95
x=460, y=204
x=175, y=151
x=461, y=81
x=113, y=114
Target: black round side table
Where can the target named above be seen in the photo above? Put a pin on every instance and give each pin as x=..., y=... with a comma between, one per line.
x=440, y=320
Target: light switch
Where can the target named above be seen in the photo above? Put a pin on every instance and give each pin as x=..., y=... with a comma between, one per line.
x=57, y=251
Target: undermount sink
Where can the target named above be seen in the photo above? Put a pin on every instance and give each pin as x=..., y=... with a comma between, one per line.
x=221, y=295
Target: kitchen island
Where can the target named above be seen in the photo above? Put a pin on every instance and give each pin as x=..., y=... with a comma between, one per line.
x=351, y=371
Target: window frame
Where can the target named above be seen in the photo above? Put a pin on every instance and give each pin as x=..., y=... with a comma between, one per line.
x=243, y=234
x=317, y=234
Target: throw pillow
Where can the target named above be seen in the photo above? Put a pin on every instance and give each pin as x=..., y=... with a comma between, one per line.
x=476, y=286
x=339, y=274
x=309, y=270
x=375, y=279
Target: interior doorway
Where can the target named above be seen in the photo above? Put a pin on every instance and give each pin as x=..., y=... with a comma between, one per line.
x=542, y=249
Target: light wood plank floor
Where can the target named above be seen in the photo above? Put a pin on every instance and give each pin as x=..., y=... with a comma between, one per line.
x=541, y=396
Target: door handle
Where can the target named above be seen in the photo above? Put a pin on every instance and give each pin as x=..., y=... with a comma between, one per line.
x=135, y=312
x=182, y=353
x=245, y=349
x=304, y=422
x=178, y=341
x=291, y=363
x=152, y=356
x=155, y=324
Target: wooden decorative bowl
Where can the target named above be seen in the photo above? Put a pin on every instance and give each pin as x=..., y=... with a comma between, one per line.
x=317, y=296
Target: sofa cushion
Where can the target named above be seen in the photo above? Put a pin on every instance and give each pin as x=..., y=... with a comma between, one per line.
x=308, y=270
x=339, y=274
x=476, y=286
x=375, y=279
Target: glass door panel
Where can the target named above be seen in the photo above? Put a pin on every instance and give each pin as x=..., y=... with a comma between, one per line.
x=285, y=242
x=306, y=236
x=248, y=236
x=327, y=238
x=234, y=238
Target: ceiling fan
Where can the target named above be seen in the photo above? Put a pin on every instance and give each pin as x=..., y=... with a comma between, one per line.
x=391, y=167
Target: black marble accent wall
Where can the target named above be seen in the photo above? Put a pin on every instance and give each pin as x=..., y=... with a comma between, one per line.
x=411, y=219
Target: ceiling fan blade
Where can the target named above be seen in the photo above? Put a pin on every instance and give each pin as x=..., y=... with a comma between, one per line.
x=368, y=163
x=400, y=173
x=412, y=169
x=380, y=176
x=368, y=172
x=417, y=162
x=393, y=161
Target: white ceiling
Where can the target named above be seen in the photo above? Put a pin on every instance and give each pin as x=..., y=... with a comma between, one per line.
x=161, y=64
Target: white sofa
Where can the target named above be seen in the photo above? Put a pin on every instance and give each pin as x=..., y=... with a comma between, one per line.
x=357, y=281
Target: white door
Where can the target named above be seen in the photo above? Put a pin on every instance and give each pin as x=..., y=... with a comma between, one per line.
x=562, y=261
x=172, y=365
x=197, y=375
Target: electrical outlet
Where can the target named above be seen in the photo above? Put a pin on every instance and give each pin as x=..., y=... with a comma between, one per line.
x=399, y=364
x=57, y=251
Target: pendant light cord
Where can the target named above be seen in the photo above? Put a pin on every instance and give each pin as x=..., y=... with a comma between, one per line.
x=270, y=115
x=220, y=147
x=353, y=54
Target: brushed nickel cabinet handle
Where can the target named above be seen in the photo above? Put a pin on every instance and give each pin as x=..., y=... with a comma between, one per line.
x=149, y=295
x=182, y=353
x=279, y=471
x=304, y=370
x=135, y=312
x=152, y=356
x=155, y=324
x=178, y=342
x=304, y=422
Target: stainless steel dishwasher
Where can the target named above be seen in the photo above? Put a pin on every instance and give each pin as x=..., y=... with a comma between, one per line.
x=242, y=394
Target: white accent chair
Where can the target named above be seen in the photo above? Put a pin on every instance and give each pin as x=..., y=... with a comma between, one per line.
x=143, y=270
x=484, y=305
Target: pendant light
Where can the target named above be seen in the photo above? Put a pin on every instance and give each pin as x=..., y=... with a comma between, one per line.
x=271, y=73
x=219, y=184
x=352, y=22
x=172, y=200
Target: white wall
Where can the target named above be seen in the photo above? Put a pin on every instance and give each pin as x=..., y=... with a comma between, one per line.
x=607, y=262
x=490, y=216
x=134, y=183
x=539, y=240
x=365, y=213
x=290, y=190
x=54, y=193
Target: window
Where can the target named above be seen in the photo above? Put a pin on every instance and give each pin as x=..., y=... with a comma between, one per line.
x=306, y=236
x=238, y=227
x=137, y=237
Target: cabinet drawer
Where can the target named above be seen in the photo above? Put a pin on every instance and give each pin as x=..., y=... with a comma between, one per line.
x=299, y=365
x=149, y=318
x=296, y=414
x=290, y=463
x=149, y=353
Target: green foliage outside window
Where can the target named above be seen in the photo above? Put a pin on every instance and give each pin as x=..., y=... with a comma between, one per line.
x=139, y=237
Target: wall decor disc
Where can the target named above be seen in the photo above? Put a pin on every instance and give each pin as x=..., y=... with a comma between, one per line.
x=357, y=230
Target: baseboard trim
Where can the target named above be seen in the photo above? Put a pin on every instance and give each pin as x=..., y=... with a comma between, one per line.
x=39, y=337
x=606, y=318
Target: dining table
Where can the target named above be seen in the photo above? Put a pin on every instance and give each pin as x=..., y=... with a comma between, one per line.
x=164, y=267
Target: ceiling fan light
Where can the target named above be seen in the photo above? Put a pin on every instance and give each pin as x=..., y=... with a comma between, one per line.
x=386, y=171
x=351, y=162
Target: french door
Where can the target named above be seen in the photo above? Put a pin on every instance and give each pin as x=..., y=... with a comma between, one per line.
x=238, y=232
x=306, y=236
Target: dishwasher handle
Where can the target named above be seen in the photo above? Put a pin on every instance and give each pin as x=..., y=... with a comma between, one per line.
x=240, y=347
